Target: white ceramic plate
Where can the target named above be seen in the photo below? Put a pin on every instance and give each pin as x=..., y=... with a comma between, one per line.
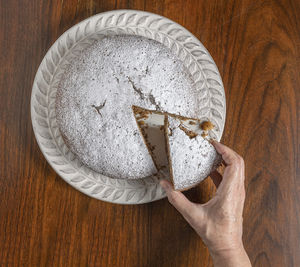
x=183, y=44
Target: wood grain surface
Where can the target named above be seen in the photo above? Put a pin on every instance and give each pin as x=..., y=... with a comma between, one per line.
x=45, y=222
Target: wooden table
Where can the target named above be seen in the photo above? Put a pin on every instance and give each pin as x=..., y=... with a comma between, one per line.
x=45, y=222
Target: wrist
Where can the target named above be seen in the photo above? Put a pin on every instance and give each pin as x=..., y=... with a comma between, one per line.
x=224, y=245
x=230, y=257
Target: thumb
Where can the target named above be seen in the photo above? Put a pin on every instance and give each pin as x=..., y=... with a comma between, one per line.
x=179, y=201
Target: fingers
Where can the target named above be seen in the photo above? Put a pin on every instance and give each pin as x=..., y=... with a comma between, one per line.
x=228, y=155
x=216, y=177
x=234, y=174
x=234, y=162
x=178, y=200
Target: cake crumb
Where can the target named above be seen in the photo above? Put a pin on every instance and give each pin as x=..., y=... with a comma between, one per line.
x=207, y=126
x=204, y=134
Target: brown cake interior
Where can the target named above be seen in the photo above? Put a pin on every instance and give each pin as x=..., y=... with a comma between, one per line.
x=167, y=146
x=150, y=124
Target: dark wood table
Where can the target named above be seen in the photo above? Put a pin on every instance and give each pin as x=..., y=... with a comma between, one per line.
x=45, y=222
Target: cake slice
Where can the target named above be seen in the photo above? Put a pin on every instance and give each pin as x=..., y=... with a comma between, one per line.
x=151, y=126
x=191, y=157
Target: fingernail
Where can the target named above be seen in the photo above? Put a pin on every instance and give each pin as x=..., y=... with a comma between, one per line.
x=215, y=143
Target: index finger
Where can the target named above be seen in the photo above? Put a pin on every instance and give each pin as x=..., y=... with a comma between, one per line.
x=233, y=176
x=228, y=155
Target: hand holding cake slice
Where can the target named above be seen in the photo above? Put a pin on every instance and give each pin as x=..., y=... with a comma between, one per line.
x=178, y=144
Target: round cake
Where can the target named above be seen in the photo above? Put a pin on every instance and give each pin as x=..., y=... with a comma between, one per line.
x=96, y=93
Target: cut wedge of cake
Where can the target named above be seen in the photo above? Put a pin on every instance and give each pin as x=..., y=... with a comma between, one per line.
x=178, y=146
x=191, y=157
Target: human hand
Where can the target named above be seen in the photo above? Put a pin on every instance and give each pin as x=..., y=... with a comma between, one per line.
x=219, y=222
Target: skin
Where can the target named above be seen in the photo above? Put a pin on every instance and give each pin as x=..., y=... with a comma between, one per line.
x=219, y=222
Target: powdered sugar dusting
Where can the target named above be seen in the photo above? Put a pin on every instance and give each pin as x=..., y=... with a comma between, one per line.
x=97, y=90
x=192, y=159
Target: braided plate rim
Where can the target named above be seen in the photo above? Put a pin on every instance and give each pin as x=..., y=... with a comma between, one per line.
x=187, y=48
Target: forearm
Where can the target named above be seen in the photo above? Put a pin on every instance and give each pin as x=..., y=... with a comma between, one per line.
x=234, y=258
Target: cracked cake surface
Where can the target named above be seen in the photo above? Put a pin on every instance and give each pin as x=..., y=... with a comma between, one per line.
x=191, y=157
x=96, y=92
